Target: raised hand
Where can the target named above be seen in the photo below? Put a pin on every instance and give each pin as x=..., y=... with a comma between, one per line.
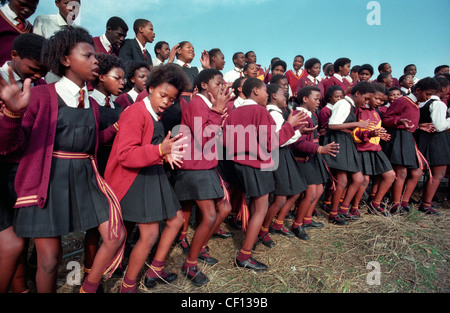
x=330, y=149
x=173, y=149
x=15, y=98
x=173, y=53
x=298, y=119
x=204, y=60
x=220, y=100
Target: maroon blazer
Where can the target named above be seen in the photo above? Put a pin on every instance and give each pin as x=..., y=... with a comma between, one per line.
x=99, y=48
x=9, y=32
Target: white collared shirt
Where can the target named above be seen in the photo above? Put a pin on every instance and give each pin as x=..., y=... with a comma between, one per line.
x=105, y=42
x=70, y=92
x=238, y=102
x=48, y=25
x=148, y=105
x=157, y=62
x=208, y=103
x=101, y=98
x=10, y=14
x=341, y=110
x=311, y=78
x=4, y=72
x=278, y=117
x=232, y=75
x=407, y=91
x=181, y=63
x=249, y=102
x=141, y=46
x=338, y=77
x=438, y=113
x=133, y=94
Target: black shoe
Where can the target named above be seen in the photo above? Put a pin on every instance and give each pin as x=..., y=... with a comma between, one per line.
x=267, y=241
x=186, y=246
x=198, y=279
x=283, y=231
x=377, y=210
x=430, y=211
x=313, y=224
x=252, y=264
x=338, y=219
x=326, y=208
x=300, y=233
x=151, y=282
x=206, y=258
x=223, y=235
x=232, y=221
x=397, y=210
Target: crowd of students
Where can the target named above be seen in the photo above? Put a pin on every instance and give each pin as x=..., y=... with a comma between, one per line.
x=97, y=136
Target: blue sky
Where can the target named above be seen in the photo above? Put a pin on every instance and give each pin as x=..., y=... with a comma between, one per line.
x=410, y=31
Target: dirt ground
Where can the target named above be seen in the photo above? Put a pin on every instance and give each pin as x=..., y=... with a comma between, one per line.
x=412, y=255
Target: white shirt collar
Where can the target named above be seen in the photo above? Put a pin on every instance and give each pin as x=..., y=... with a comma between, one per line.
x=70, y=92
x=238, y=102
x=329, y=105
x=312, y=78
x=101, y=98
x=140, y=45
x=181, y=63
x=239, y=70
x=412, y=97
x=60, y=20
x=304, y=110
x=273, y=107
x=10, y=14
x=133, y=94
x=249, y=102
x=350, y=100
x=5, y=72
x=338, y=77
x=150, y=109
x=208, y=103
x=105, y=42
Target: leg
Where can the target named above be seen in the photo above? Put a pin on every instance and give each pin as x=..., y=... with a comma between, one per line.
x=431, y=187
x=410, y=186
x=91, y=242
x=273, y=209
x=397, y=187
x=49, y=255
x=310, y=196
x=341, y=187
x=11, y=248
x=186, y=207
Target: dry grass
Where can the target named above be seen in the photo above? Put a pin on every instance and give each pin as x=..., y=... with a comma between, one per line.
x=412, y=250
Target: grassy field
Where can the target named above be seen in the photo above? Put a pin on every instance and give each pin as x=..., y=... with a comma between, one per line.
x=412, y=253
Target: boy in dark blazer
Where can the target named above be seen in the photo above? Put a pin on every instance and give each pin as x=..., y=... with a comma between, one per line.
x=134, y=49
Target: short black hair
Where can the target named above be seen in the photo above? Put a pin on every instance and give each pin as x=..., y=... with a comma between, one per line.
x=367, y=67
x=235, y=55
x=382, y=76
x=379, y=87
x=340, y=62
x=115, y=22
x=305, y=92
x=311, y=62
x=427, y=83
x=132, y=67
x=275, y=79
x=169, y=73
x=159, y=45
x=272, y=89
x=381, y=67
x=140, y=22
x=355, y=68
x=29, y=46
x=443, y=81
x=214, y=52
x=205, y=76
x=238, y=83
x=106, y=62
x=406, y=68
x=248, y=52
x=249, y=84
x=330, y=91
x=279, y=63
x=60, y=45
x=363, y=88
x=394, y=88
x=402, y=78
x=438, y=68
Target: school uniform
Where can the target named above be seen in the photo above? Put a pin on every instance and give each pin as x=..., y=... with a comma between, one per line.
x=59, y=189
x=435, y=147
x=402, y=149
x=373, y=160
x=305, y=150
x=288, y=177
x=109, y=115
x=133, y=51
x=234, y=74
x=338, y=80
x=127, y=99
x=307, y=81
x=10, y=28
x=405, y=91
x=48, y=25
x=323, y=118
x=293, y=77
x=157, y=62
x=135, y=169
x=103, y=45
x=348, y=158
x=254, y=160
x=198, y=178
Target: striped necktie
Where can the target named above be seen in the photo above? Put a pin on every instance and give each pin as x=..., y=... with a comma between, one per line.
x=107, y=104
x=81, y=99
x=21, y=26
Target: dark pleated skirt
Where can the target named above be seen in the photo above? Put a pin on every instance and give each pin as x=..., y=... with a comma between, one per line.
x=348, y=158
x=7, y=194
x=254, y=182
x=288, y=178
x=375, y=163
x=435, y=147
x=150, y=198
x=314, y=170
x=198, y=185
x=401, y=149
x=227, y=172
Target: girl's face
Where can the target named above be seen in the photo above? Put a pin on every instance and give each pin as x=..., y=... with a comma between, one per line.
x=252, y=70
x=364, y=75
x=260, y=95
x=362, y=99
x=285, y=84
x=412, y=70
x=389, y=81
x=140, y=78
x=298, y=63
x=312, y=101
x=114, y=81
x=280, y=98
x=408, y=81
x=212, y=86
x=336, y=96
x=393, y=95
x=345, y=70
x=186, y=53
x=387, y=68
x=376, y=100
x=162, y=97
x=219, y=61
x=278, y=70
x=315, y=70
x=424, y=95
x=81, y=64
x=251, y=57
x=23, y=8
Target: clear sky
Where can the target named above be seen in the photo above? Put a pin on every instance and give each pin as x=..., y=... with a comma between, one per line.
x=403, y=31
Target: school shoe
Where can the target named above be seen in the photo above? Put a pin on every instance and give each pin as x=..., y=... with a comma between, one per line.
x=396, y=209
x=313, y=224
x=184, y=245
x=197, y=278
x=283, y=231
x=350, y=216
x=222, y=234
x=233, y=222
x=267, y=241
x=377, y=210
x=206, y=258
x=251, y=264
x=300, y=233
x=151, y=282
x=326, y=208
x=430, y=211
x=338, y=219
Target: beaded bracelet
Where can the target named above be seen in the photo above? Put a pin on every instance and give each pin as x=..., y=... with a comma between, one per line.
x=10, y=114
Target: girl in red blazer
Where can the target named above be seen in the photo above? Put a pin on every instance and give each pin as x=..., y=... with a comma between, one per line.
x=136, y=173
x=59, y=189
